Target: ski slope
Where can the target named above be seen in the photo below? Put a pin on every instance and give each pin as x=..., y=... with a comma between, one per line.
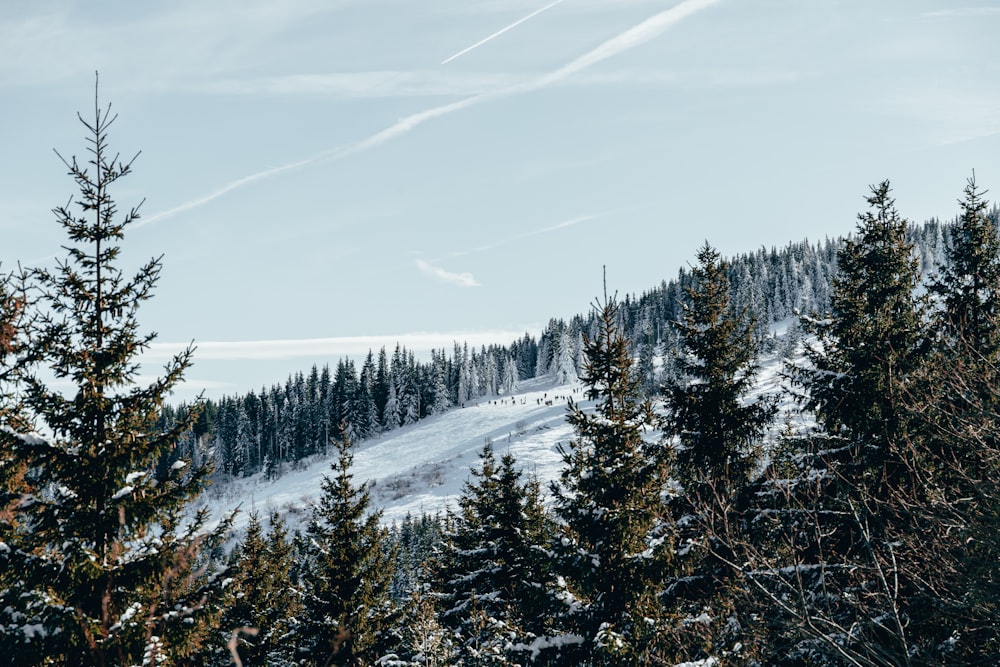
x=421, y=468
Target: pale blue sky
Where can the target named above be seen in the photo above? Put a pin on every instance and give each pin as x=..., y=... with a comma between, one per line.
x=352, y=168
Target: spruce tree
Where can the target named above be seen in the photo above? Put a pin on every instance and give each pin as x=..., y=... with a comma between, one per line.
x=956, y=447
x=614, y=537
x=493, y=571
x=717, y=430
x=852, y=581
x=968, y=286
x=14, y=354
x=262, y=606
x=869, y=345
x=13, y=485
x=345, y=573
x=108, y=561
x=718, y=434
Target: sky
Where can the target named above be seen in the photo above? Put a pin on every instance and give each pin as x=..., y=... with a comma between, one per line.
x=324, y=174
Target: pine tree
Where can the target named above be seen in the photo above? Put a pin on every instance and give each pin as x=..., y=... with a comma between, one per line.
x=108, y=564
x=869, y=345
x=510, y=377
x=614, y=538
x=425, y=642
x=393, y=410
x=348, y=618
x=262, y=609
x=852, y=579
x=564, y=364
x=968, y=287
x=13, y=485
x=13, y=348
x=955, y=448
x=441, y=395
x=716, y=429
x=493, y=570
x=718, y=434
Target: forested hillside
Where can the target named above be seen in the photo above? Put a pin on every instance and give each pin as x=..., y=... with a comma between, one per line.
x=275, y=427
x=679, y=530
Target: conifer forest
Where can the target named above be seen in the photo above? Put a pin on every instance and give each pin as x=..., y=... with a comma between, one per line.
x=693, y=523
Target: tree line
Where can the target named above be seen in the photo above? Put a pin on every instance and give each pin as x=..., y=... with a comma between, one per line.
x=272, y=429
x=686, y=526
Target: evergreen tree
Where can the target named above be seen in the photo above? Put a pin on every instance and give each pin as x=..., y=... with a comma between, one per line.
x=424, y=641
x=262, y=609
x=869, y=345
x=852, y=590
x=107, y=563
x=968, y=287
x=955, y=449
x=716, y=429
x=510, y=377
x=718, y=434
x=493, y=569
x=441, y=395
x=564, y=364
x=13, y=348
x=348, y=618
x=614, y=539
x=13, y=485
x=393, y=410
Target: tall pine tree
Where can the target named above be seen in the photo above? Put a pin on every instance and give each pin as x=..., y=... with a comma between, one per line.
x=718, y=434
x=968, y=286
x=957, y=448
x=262, y=606
x=345, y=572
x=853, y=588
x=869, y=346
x=614, y=537
x=108, y=561
x=717, y=430
x=493, y=571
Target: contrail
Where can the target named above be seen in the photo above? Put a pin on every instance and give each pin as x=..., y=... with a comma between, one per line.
x=636, y=36
x=239, y=183
x=501, y=31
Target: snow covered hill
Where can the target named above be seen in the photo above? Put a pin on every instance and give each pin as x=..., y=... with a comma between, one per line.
x=421, y=468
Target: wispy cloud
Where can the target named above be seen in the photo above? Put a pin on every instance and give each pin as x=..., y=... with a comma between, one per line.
x=570, y=222
x=323, y=348
x=41, y=42
x=358, y=85
x=460, y=279
x=962, y=12
x=523, y=235
x=636, y=36
x=235, y=185
x=500, y=32
x=391, y=83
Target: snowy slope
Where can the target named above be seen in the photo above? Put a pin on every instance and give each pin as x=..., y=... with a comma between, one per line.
x=421, y=468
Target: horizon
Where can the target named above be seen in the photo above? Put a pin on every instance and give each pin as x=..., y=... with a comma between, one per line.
x=367, y=170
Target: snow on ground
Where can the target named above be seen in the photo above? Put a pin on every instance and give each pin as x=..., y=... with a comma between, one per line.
x=421, y=468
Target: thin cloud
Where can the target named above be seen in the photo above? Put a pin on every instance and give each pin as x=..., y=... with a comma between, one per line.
x=636, y=36
x=523, y=235
x=571, y=222
x=333, y=347
x=501, y=31
x=562, y=225
x=962, y=12
x=235, y=185
x=460, y=279
x=360, y=85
